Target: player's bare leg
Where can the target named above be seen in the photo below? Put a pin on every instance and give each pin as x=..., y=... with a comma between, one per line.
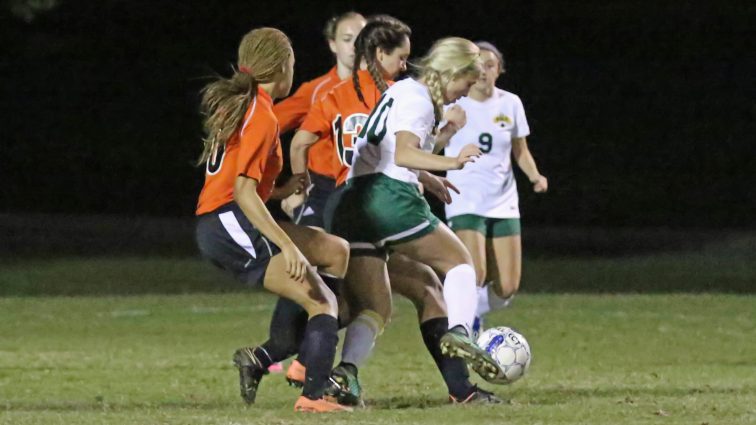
x=445, y=253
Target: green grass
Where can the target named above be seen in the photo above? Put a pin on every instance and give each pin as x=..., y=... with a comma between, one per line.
x=165, y=359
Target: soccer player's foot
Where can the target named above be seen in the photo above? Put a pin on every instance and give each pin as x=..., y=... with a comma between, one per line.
x=276, y=368
x=250, y=373
x=347, y=390
x=478, y=396
x=456, y=343
x=321, y=405
x=295, y=374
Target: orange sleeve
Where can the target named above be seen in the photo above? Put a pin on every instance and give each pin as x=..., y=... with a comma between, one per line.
x=317, y=121
x=292, y=110
x=257, y=141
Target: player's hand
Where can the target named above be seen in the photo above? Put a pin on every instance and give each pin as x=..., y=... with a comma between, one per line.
x=296, y=184
x=439, y=187
x=456, y=117
x=296, y=263
x=291, y=203
x=540, y=184
x=469, y=153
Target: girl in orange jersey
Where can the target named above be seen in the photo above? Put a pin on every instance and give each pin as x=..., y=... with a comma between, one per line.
x=236, y=232
x=382, y=49
x=340, y=32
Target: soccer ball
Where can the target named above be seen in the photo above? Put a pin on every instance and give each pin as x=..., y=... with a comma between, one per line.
x=509, y=349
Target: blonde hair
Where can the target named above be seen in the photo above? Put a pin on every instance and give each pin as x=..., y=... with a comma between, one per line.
x=263, y=54
x=448, y=59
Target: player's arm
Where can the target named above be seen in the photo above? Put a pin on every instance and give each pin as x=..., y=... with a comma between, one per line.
x=455, y=118
x=409, y=155
x=300, y=146
x=291, y=111
x=527, y=164
x=245, y=195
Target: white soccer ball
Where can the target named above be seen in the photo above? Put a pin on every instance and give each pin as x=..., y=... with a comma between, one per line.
x=509, y=349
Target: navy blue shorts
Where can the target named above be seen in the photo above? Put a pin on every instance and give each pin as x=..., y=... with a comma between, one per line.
x=231, y=242
x=311, y=213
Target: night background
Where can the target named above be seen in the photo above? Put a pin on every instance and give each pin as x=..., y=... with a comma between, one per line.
x=642, y=114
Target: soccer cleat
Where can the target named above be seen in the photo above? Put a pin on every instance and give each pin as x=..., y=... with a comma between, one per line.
x=478, y=396
x=295, y=374
x=456, y=343
x=304, y=404
x=250, y=373
x=345, y=387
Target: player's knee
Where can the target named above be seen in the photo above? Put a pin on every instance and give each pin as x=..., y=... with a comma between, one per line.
x=338, y=256
x=480, y=274
x=508, y=287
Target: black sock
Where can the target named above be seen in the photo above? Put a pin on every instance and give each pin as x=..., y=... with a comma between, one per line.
x=320, y=344
x=453, y=370
x=286, y=330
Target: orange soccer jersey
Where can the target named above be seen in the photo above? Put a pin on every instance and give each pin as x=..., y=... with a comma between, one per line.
x=254, y=151
x=292, y=111
x=337, y=119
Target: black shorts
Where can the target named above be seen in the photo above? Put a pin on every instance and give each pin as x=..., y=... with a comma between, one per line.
x=311, y=213
x=231, y=242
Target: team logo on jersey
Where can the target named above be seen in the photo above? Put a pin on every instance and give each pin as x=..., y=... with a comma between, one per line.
x=502, y=120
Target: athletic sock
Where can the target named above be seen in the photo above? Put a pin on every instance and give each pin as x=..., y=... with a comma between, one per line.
x=360, y=336
x=461, y=297
x=320, y=343
x=287, y=327
x=453, y=370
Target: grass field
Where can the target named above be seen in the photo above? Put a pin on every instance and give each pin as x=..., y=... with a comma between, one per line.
x=165, y=359
x=96, y=336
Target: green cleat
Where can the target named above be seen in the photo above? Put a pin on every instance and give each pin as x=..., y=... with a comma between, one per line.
x=455, y=343
x=250, y=373
x=345, y=387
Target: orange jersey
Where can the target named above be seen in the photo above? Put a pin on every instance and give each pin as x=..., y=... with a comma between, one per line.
x=292, y=111
x=337, y=119
x=254, y=151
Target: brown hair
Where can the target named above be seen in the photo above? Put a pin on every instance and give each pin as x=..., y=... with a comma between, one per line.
x=384, y=32
x=263, y=53
x=329, y=31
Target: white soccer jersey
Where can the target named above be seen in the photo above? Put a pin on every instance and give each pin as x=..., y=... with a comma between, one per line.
x=405, y=106
x=488, y=186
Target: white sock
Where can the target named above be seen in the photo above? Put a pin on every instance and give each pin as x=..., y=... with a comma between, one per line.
x=489, y=301
x=360, y=337
x=483, y=306
x=460, y=295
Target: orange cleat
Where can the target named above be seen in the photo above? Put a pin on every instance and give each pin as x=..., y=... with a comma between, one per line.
x=304, y=404
x=295, y=374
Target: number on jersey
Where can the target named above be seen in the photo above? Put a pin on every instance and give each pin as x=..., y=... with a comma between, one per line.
x=344, y=131
x=377, y=120
x=486, y=142
x=215, y=162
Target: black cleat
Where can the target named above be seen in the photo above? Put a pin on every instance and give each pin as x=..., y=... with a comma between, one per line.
x=250, y=373
x=478, y=396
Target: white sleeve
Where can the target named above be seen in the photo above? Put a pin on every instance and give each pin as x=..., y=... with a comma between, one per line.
x=413, y=114
x=521, y=123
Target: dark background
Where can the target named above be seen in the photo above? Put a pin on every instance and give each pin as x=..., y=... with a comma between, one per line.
x=641, y=114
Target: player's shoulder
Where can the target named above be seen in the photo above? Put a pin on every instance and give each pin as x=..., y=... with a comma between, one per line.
x=507, y=96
